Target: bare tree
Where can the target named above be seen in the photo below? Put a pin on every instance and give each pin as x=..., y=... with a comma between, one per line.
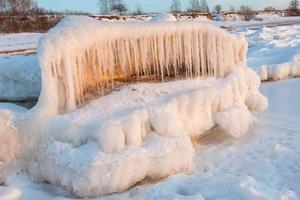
x=120, y=7
x=175, y=6
x=194, y=5
x=246, y=12
x=270, y=9
x=107, y=6
x=294, y=5
x=18, y=7
x=104, y=6
x=3, y=6
x=218, y=9
x=138, y=11
x=204, y=6
x=232, y=9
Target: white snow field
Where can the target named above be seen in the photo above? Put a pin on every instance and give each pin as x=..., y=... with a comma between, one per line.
x=275, y=52
x=143, y=131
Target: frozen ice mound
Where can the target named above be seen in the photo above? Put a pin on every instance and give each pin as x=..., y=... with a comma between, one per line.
x=89, y=172
x=92, y=157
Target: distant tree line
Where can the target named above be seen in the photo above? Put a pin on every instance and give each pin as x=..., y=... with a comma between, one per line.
x=30, y=7
x=19, y=7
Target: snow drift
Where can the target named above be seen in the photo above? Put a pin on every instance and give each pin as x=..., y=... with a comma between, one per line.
x=142, y=131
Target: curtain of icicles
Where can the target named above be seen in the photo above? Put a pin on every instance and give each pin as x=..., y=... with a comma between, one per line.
x=150, y=55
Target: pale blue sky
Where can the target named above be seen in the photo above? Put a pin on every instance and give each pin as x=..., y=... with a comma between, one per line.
x=156, y=5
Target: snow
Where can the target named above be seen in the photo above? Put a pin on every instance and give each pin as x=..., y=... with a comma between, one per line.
x=8, y=193
x=14, y=86
x=19, y=78
x=260, y=16
x=275, y=52
x=19, y=41
x=89, y=172
x=272, y=22
x=262, y=165
x=92, y=151
x=19, y=71
x=163, y=17
x=153, y=130
x=10, y=138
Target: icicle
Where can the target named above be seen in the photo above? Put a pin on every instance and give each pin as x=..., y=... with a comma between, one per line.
x=98, y=54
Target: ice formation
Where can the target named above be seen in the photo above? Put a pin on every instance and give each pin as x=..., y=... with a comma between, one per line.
x=10, y=139
x=122, y=138
x=126, y=52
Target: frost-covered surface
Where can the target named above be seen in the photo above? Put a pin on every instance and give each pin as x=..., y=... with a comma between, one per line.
x=275, y=52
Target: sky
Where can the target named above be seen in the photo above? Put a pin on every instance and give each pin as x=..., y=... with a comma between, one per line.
x=156, y=5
